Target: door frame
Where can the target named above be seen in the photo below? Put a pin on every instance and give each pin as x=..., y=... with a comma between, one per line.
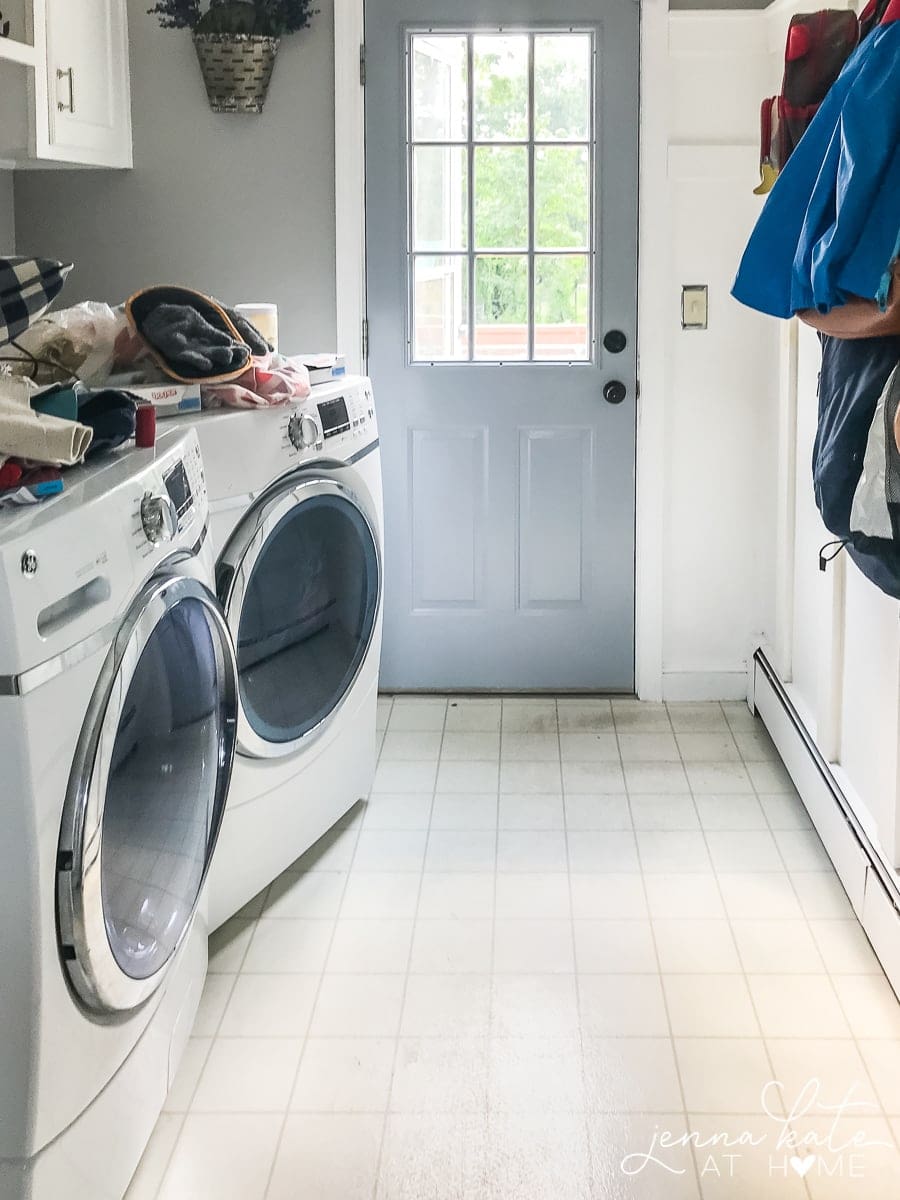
x=654, y=259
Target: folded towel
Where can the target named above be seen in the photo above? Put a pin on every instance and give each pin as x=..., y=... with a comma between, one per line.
x=37, y=437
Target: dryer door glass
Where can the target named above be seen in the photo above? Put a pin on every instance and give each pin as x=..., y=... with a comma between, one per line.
x=163, y=794
x=308, y=614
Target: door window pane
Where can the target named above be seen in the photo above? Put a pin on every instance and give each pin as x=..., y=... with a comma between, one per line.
x=488, y=218
x=500, y=66
x=307, y=617
x=162, y=791
x=562, y=197
x=439, y=89
x=501, y=306
x=440, y=198
x=562, y=307
x=562, y=87
x=440, y=307
x=501, y=198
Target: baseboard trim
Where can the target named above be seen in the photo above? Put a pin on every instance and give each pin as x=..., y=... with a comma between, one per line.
x=870, y=886
x=705, y=685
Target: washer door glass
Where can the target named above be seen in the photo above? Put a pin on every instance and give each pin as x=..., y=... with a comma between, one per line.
x=163, y=801
x=307, y=617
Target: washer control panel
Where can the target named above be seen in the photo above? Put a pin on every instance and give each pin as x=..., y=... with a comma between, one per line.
x=170, y=499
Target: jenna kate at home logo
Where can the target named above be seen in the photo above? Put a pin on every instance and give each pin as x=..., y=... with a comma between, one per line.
x=835, y=1148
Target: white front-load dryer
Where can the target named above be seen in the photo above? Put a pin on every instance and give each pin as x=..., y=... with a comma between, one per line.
x=118, y=720
x=296, y=503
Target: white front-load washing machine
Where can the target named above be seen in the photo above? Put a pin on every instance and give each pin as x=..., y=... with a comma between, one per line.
x=296, y=504
x=118, y=721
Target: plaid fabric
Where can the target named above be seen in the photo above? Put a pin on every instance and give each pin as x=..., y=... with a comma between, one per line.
x=28, y=287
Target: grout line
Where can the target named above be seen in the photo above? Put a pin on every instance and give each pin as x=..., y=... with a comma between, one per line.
x=489, y=1114
x=212, y=1038
x=659, y=976
x=728, y=918
x=589, y=1113
x=412, y=941
x=357, y=831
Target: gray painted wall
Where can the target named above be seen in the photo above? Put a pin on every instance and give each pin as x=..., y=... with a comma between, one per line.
x=238, y=206
x=7, y=214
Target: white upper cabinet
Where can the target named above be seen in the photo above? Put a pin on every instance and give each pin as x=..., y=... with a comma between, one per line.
x=89, y=102
x=65, y=76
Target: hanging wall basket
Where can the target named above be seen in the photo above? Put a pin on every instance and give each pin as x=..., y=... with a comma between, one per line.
x=237, y=69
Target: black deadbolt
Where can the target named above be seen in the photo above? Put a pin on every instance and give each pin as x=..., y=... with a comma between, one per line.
x=615, y=392
x=615, y=341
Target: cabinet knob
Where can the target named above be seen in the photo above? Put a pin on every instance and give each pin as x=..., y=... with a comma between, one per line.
x=615, y=392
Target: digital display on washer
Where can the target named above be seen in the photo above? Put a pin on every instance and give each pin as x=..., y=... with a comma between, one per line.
x=334, y=415
x=178, y=488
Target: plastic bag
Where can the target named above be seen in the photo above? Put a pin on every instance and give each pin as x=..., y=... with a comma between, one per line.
x=81, y=342
x=876, y=502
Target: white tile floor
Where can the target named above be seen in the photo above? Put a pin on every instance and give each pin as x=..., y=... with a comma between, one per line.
x=557, y=931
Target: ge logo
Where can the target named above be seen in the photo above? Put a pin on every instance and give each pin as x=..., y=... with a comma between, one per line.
x=29, y=563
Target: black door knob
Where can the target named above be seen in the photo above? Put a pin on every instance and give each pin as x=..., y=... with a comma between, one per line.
x=615, y=341
x=615, y=392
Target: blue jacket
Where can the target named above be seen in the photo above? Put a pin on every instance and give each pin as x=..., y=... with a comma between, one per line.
x=831, y=225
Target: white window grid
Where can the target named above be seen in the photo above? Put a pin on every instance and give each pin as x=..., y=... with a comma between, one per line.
x=470, y=143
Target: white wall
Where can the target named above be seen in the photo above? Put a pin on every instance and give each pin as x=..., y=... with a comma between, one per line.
x=721, y=409
x=240, y=206
x=7, y=213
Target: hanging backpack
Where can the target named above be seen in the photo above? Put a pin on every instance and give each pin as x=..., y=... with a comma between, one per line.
x=818, y=45
x=871, y=16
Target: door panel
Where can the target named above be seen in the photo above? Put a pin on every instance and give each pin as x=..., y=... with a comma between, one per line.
x=501, y=234
x=555, y=479
x=448, y=549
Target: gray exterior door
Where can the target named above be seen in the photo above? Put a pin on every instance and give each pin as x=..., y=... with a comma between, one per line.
x=501, y=196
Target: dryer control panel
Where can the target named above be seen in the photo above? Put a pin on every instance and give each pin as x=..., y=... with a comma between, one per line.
x=336, y=418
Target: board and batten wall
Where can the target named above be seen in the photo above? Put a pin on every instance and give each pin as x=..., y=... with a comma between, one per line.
x=238, y=206
x=721, y=406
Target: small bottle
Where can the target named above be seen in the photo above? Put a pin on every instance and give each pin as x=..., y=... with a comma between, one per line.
x=145, y=427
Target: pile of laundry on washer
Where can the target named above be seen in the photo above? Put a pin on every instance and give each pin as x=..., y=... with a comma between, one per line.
x=73, y=382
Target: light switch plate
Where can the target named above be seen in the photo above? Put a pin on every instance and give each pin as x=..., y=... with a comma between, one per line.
x=695, y=306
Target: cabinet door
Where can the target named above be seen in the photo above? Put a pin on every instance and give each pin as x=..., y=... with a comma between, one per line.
x=89, y=100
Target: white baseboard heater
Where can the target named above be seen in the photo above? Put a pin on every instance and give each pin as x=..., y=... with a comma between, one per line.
x=868, y=882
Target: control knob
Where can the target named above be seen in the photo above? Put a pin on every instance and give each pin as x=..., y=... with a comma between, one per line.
x=159, y=518
x=303, y=431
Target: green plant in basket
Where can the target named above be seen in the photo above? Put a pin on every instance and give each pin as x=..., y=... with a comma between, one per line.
x=236, y=42
x=254, y=18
